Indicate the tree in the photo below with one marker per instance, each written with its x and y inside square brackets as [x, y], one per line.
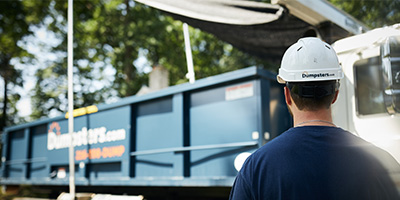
[15, 20]
[114, 34]
[50, 92]
[374, 13]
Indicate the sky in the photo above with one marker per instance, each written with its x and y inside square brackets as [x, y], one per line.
[34, 45]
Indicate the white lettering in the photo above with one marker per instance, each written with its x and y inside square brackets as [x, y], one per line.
[51, 140]
[84, 137]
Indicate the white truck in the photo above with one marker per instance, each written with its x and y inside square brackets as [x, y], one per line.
[369, 99]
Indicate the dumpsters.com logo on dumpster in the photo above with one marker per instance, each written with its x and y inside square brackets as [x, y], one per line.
[56, 140]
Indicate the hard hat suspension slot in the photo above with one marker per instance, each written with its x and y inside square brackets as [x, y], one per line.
[313, 90]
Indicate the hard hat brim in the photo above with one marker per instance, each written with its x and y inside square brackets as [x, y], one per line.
[280, 80]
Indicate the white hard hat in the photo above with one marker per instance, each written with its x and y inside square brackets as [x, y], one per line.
[309, 59]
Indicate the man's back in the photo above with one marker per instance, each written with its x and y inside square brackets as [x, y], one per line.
[316, 162]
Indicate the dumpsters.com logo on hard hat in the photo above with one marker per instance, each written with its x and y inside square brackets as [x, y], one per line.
[315, 75]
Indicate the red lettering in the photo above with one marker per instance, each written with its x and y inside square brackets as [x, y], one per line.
[97, 153]
[81, 155]
[114, 151]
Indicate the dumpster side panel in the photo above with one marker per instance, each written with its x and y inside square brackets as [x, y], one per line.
[159, 126]
[58, 140]
[281, 119]
[217, 117]
[39, 167]
[100, 142]
[17, 152]
[187, 135]
[108, 144]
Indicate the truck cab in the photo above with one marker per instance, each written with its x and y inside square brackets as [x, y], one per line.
[369, 97]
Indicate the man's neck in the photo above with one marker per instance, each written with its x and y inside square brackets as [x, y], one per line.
[313, 118]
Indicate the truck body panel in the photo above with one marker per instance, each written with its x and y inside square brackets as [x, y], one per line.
[361, 104]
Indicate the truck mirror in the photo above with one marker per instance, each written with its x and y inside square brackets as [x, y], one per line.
[390, 55]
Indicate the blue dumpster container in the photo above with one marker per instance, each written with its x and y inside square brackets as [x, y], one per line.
[184, 135]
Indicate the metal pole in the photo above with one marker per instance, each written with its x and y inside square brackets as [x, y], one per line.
[71, 100]
[188, 50]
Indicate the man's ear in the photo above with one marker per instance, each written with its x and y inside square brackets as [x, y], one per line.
[336, 96]
[288, 98]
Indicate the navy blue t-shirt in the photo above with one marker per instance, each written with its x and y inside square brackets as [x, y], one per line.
[316, 162]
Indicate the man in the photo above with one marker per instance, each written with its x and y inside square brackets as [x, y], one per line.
[314, 159]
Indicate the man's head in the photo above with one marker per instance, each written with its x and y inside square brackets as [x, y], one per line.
[311, 71]
[313, 96]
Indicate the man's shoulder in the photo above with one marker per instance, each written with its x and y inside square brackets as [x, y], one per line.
[295, 139]
[279, 145]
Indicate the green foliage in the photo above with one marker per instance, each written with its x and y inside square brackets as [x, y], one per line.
[16, 17]
[374, 13]
[111, 35]
[50, 92]
[115, 34]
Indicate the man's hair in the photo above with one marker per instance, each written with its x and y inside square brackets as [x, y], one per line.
[313, 96]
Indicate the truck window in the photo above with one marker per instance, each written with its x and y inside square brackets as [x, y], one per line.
[368, 87]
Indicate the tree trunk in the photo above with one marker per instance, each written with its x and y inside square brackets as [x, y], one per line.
[4, 118]
[6, 73]
[128, 68]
